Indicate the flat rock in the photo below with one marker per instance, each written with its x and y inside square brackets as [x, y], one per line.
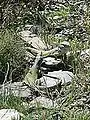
[32, 39]
[17, 89]
[52, 79]
[9, 114]
[64, 76]
[43, 102]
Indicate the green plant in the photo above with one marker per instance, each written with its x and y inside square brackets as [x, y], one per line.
[70, 115]
[11, 50]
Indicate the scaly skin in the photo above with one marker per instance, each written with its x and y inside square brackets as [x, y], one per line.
[32, 74]
[62, 49]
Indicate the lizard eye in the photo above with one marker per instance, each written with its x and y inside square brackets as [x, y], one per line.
[30, 72]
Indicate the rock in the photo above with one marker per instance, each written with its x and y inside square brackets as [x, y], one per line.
[25, 34]
[17, 89]
[50, 61]
[9, 114]
[28, 27]
[50, 64]
[85, 54]
[53, 79]
[56, 17]
[65, 76]
[43, 102]
[32, 39]
[85, 58]
[34, 29]
[37, 43]
[65, 43]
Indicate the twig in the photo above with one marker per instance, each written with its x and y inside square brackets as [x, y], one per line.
[6, 73]
[8, 67]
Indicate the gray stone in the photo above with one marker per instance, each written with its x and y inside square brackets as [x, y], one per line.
[9, 114]
[32, 39]
[85, 58]
[52, 79]
[43, 102]
[51, 61]
[65, 43]
[85, 54]
[17, 89]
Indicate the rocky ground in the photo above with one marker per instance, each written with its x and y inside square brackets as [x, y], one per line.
[56, 85]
